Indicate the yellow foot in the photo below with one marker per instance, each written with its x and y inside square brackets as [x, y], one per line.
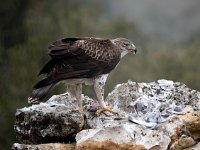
[104, 109]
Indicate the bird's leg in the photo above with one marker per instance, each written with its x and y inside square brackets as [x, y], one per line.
[76, 91]
[99, 89]
[78, 95]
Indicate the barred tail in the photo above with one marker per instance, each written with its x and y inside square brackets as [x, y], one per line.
[39, 93]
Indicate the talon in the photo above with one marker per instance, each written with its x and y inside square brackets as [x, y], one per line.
[104, 109]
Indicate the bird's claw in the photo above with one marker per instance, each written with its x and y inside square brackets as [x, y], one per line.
[104, 109]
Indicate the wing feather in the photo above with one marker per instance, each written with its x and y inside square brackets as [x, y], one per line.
[64, 48]
[79, 58]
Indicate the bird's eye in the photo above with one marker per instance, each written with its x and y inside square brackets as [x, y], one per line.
[125, 44]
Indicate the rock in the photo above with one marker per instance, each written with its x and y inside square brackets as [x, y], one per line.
[195, 147]
[125, 134]
[152, 103]
[192, 123]
[89, 145]
[53, 121]
[182, 143]
[150, 114]
[107, 145]
[49, 146]
[156, 116]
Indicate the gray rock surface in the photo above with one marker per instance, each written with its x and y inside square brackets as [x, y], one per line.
[149, 115]
[54, 121]
[126, 134]
[49, 146]
[157, 115]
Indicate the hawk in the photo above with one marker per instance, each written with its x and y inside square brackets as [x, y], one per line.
[77, 61]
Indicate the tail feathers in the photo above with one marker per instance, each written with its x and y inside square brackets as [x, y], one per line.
[44, 83]
[39, 93]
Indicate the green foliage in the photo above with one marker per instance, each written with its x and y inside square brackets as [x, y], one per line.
[30, 26]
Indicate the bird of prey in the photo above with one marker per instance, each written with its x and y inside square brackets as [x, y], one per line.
[77, 61]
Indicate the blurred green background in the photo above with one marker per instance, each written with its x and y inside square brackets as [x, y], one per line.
[166, 33]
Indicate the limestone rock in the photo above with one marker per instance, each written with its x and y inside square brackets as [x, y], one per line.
[149, 115]
[49, 146]
[153, 103]
[52, 121]
[192, 123]
[195, 147]
[107, 145]
[156, 116]
[89, 145]
[182, 143]
[125, 134]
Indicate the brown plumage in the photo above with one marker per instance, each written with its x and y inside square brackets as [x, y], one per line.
[80, 60]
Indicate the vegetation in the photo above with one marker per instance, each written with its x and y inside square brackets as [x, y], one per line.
[28, 27]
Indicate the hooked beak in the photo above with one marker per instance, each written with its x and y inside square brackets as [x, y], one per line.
[133, 49]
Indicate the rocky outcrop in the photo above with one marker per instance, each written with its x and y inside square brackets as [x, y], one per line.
[49, 146]
[56, 120]
[158, 115]
[107, 145]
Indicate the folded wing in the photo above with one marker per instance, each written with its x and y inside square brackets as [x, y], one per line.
[74, 58]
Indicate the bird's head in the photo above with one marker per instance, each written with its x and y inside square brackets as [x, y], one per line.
[125, 45]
